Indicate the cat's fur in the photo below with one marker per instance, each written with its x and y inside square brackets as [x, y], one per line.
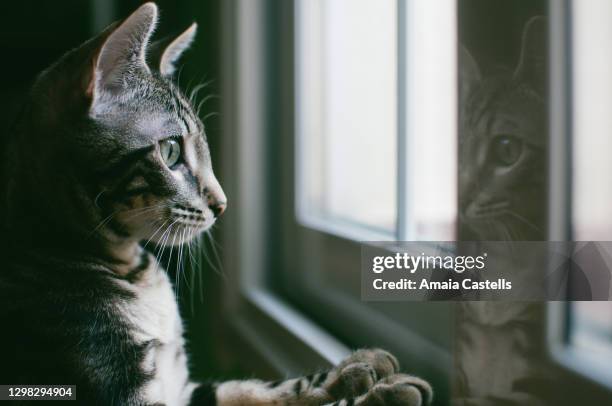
[83, 183]
[504, 199]
[499, 345]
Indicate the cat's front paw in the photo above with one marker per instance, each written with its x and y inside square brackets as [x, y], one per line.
[383, 362]
[398, 390]
[359, 373]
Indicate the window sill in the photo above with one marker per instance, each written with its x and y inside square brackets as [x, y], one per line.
[592, 376]
[292, 344]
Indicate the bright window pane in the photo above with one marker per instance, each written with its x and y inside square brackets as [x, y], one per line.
[591, 322]
[347, 114]
[592, 190]
[592, 328]
[430, 150]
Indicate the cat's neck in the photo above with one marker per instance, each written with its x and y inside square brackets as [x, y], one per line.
[119, 256]
[122, 258]
[67, 238]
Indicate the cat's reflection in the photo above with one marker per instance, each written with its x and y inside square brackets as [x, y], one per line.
[502, 145]
[502, 197]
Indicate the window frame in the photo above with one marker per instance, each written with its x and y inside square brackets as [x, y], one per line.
[298, 343]
[336, 310]
[593, 379]
[415, 107]
[250, 300]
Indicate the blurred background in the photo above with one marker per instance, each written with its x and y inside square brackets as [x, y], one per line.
[335, 122]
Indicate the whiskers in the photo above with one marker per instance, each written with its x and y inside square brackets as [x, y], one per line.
[192, 94]
[509, 226]
[132, 213]
[193, 250]
[176, 240]
[102, 224]
[192, 97]
[523, 220]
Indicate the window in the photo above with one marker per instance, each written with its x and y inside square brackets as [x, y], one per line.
[348, 143]
[587, 326]
[371, 162]
[349, 134]
[360, 175]
[591, 329]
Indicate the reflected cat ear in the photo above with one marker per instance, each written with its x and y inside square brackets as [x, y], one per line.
[533, 63]
[469, 73]
[167, 52]
[123, 51]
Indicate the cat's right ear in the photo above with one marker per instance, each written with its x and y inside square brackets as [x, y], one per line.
[165, 53]
[469, 74]
[533, 63]
[123, 52]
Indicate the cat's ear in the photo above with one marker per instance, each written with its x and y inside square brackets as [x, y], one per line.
[469, 73]
[164, 53]
[124, 50]
[533, 62]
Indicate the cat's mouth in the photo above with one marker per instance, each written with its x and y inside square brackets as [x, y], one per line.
[188, 222]
[188, 216]
[179, 225]
[487, 210]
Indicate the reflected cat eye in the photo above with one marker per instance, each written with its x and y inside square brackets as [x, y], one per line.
[170, 150]
[506, 149]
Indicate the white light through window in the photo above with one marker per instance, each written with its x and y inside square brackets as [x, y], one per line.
[347, 113]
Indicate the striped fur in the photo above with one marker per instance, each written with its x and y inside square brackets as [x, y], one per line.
[367, 377]
[504, 197]
[119, 339]
[85, 189]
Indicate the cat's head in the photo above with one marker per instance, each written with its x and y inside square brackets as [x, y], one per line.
[503, 138]
[108, 146]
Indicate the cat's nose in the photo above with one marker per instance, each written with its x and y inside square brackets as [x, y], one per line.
[218, 208]
[215, 198]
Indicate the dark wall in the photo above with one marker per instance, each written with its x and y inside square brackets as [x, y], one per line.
[32, 35]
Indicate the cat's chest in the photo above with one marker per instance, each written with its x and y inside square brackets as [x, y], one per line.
[152, 313]
[154, 322]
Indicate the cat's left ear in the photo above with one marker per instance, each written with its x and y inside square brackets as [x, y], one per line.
[123, 52]
[533, 62]
[166, 53]
[469, 74]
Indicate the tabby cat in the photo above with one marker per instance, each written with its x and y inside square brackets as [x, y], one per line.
[108, 153]
[502, 192]
[503, 144]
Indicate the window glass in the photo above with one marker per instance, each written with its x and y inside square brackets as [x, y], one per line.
[347, 131]
[590, 326]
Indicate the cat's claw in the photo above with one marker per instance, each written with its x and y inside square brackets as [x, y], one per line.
[382, 361]
[371, 378]
[398, 390]
[353, 380]
[360, 371]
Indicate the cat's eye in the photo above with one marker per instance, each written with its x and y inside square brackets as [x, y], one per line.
[170, 150]
[507, 149]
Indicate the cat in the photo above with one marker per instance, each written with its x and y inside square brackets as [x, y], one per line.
[500, 348]
[503, 145]
[108, 153]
